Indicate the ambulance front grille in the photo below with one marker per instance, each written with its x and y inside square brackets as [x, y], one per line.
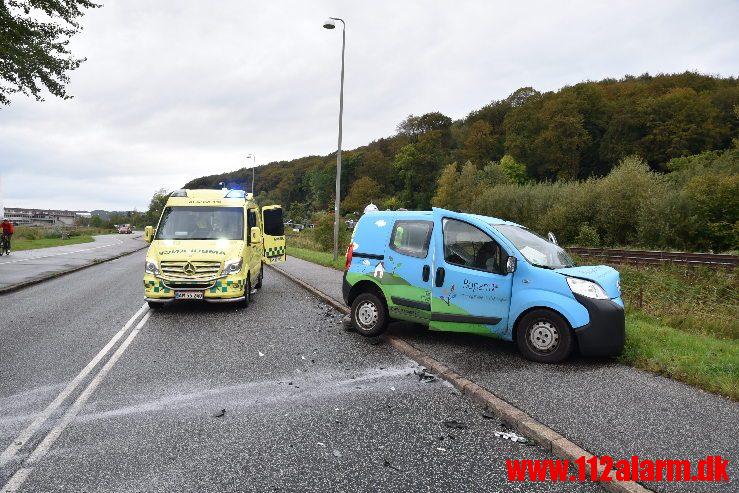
[190, 270]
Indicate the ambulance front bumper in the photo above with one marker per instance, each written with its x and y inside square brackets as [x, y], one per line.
[165, 301]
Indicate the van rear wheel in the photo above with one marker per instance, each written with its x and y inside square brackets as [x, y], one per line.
[544, 336]
[369, 315]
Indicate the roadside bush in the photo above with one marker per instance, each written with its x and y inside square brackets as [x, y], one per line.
[323, 234]
[587, 236]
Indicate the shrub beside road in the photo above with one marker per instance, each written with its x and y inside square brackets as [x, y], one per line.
[681, 322]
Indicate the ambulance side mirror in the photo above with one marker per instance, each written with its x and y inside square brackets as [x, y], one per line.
[148, 234]
[255, 234]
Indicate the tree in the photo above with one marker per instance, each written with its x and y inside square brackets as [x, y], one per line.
[34, 46]
[413, 126]
[480, 145]
[156, 206]
[515, 171]
[446, 188]
[468, 186]
[361, 193]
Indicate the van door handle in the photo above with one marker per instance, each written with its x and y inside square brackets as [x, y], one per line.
[439, 281]
[426, 273]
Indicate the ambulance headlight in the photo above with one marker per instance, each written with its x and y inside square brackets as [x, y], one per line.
[150, 267]
[232, 266]
[585, 288]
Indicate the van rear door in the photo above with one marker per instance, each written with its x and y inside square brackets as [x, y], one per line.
[274, 234]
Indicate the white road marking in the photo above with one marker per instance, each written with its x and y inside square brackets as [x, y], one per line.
[17, 480]
[26, 434]
[118, 242]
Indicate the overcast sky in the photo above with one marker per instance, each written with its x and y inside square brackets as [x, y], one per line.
[176, 89]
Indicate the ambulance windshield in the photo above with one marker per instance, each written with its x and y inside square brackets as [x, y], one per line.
[201, 223]
[537, 250]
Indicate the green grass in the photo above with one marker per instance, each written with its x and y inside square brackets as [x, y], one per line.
[320, 258]
[700, 360]
[25, 244]
[687, 327]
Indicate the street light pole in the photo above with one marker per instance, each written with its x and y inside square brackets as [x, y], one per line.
[254, 158]
[330, 24]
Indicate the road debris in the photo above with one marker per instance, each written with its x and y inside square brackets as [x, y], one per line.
[424, 376]
[454, 424]
[220, 414]
[509, 435]
[488, 415]
[387, 463]
[441, 449]
[337, 453]
[321, 444]
[260, 354]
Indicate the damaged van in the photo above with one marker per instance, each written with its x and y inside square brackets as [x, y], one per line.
[468, 273]
[210, 245]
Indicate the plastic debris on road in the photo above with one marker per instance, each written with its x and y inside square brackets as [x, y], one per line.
[220, 414]
[509, 435]
[337, 453]
[388, 464]
[454, 424]
[424, 375]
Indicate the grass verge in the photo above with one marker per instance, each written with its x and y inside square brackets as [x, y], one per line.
[26, 244]
[320, 258]
[697, 359]
[686, 329]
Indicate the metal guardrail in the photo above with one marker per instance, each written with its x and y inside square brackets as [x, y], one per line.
[647, 257]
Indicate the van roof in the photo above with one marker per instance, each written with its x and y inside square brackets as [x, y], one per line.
[208, 197]
[427, 214]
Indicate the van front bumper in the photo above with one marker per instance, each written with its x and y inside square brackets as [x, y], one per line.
[605, 334]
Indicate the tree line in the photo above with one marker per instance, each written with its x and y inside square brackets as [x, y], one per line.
[531, 146]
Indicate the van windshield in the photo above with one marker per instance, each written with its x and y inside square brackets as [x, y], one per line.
[201, 223]
[537, 250]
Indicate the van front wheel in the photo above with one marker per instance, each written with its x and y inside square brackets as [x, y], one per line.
[544, 336]
[368, 315]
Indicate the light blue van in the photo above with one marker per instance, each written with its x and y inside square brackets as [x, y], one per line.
[469, 273]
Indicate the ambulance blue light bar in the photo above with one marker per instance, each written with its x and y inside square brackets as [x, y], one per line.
[179, 193]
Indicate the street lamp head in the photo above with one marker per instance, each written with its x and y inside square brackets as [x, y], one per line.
[329, 24]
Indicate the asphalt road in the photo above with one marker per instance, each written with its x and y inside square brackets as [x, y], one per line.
[33, 265]
[276, 397]
[603, 406]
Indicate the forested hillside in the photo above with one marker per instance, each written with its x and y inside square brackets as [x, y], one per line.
[545, 149]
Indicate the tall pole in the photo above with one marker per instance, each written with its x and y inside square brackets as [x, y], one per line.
[254, 158]
[338, 153]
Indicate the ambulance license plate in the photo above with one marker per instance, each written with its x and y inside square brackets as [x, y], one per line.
[188, 295]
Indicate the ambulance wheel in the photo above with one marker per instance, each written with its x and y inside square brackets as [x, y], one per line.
[258, 285]
[247, 294]
[369, 315]
[544, 336]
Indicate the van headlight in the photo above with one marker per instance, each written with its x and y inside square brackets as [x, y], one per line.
[585, 288]
[150, 267]
[232, 266]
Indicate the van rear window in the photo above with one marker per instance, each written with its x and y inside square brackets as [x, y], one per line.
[412, 238]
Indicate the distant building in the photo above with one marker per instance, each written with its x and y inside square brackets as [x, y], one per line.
[40, 217]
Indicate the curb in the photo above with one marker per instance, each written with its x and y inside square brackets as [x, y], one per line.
[547, 438]
[32, 282]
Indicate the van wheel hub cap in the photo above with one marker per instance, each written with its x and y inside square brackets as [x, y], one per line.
[543, 336]
[367, 314]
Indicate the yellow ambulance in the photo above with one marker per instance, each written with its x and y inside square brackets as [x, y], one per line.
[210, 245]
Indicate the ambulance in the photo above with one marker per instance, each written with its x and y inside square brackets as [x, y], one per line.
[211, 245]
[460, 272]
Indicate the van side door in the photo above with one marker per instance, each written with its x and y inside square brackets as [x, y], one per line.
[471, 291]
[274, 234]
[407, 270]
[253, 245]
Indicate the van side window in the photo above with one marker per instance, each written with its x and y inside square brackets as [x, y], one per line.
[467, 246]
[412, 238]
[251, 221]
